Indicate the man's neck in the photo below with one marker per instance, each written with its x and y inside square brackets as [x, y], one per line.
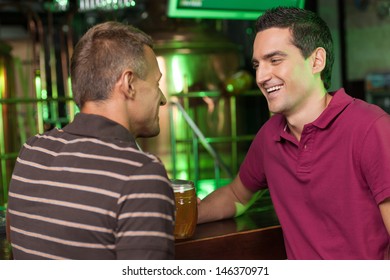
[296, 122]
[109, 109]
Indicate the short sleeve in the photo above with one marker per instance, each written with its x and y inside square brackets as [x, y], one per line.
[145, 220]
[252, 169]
[375, 159]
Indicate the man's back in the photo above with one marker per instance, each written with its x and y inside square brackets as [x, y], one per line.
[87, 192]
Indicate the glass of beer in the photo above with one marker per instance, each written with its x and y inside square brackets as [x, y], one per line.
[186, 208]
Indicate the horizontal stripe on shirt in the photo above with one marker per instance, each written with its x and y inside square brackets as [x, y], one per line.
[96, 141]
[67, 186]
[63, 241]
[65, 204]
[83, 155]
[145, 233]
[37, 253]
[93, 171]
[61, 222]
[145, 214]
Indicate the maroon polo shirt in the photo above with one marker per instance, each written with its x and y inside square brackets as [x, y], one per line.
[326, 188]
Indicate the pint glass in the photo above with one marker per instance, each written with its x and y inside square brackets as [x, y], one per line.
[186, 208]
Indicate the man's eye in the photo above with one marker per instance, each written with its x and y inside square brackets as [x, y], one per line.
[255, 65]
[275, 60]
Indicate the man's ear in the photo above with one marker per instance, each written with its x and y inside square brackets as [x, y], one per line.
[127, 85]
[318, 60]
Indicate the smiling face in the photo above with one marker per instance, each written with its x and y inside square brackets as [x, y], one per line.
[283, 75]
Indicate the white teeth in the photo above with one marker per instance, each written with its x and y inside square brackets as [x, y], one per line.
[271, 89]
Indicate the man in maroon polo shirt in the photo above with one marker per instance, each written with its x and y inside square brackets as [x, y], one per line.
[324, 156]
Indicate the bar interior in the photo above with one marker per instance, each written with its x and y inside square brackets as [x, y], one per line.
[214, 107]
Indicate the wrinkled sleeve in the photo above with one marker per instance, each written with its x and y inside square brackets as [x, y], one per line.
[252, 168]
[375, 160]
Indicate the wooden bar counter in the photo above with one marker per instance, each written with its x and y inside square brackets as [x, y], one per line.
[254, 235]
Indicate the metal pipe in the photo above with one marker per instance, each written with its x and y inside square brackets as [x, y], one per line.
[53, 72]
[203, 139]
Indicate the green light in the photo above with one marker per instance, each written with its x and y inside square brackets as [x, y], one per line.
[179, 79]
[230, 88]
[226, 9]
[2, 82]
[70, 87]
[86, 5]
[45, 109]
[41, 94]
[57, 5]
[182, 175]
[205, 187]
[44, 94]
[62, 2]
[38, 92]
[38, 84]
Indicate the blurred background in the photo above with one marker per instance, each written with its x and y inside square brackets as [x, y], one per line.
[204, 50]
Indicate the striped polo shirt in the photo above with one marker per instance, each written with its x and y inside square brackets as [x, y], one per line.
[87, 192]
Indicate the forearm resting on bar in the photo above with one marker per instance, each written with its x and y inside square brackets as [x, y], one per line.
[226, 202]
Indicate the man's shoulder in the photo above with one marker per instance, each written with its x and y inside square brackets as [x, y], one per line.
[364, 112]
[369, 108]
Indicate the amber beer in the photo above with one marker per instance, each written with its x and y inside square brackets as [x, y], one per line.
[186, 208]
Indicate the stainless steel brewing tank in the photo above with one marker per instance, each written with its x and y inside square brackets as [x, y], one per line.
[192, 61]
[195, 60]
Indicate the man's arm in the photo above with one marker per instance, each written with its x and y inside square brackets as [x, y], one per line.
[385, 211]
[225, 202]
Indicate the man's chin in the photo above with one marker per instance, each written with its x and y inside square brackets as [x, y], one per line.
[149, 134]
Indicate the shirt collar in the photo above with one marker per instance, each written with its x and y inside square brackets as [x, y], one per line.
[338, 103]
[96, 126]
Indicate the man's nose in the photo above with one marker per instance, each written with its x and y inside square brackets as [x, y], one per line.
[163, 100]
[263, 74]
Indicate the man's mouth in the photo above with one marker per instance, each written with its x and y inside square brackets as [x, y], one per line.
[273, 89]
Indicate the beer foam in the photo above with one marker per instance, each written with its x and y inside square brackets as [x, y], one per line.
[181, 189]
[182, 185]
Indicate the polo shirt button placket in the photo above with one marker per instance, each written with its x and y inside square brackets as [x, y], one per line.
[305, 157]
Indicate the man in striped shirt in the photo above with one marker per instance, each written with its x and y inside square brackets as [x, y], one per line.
[86, 191]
